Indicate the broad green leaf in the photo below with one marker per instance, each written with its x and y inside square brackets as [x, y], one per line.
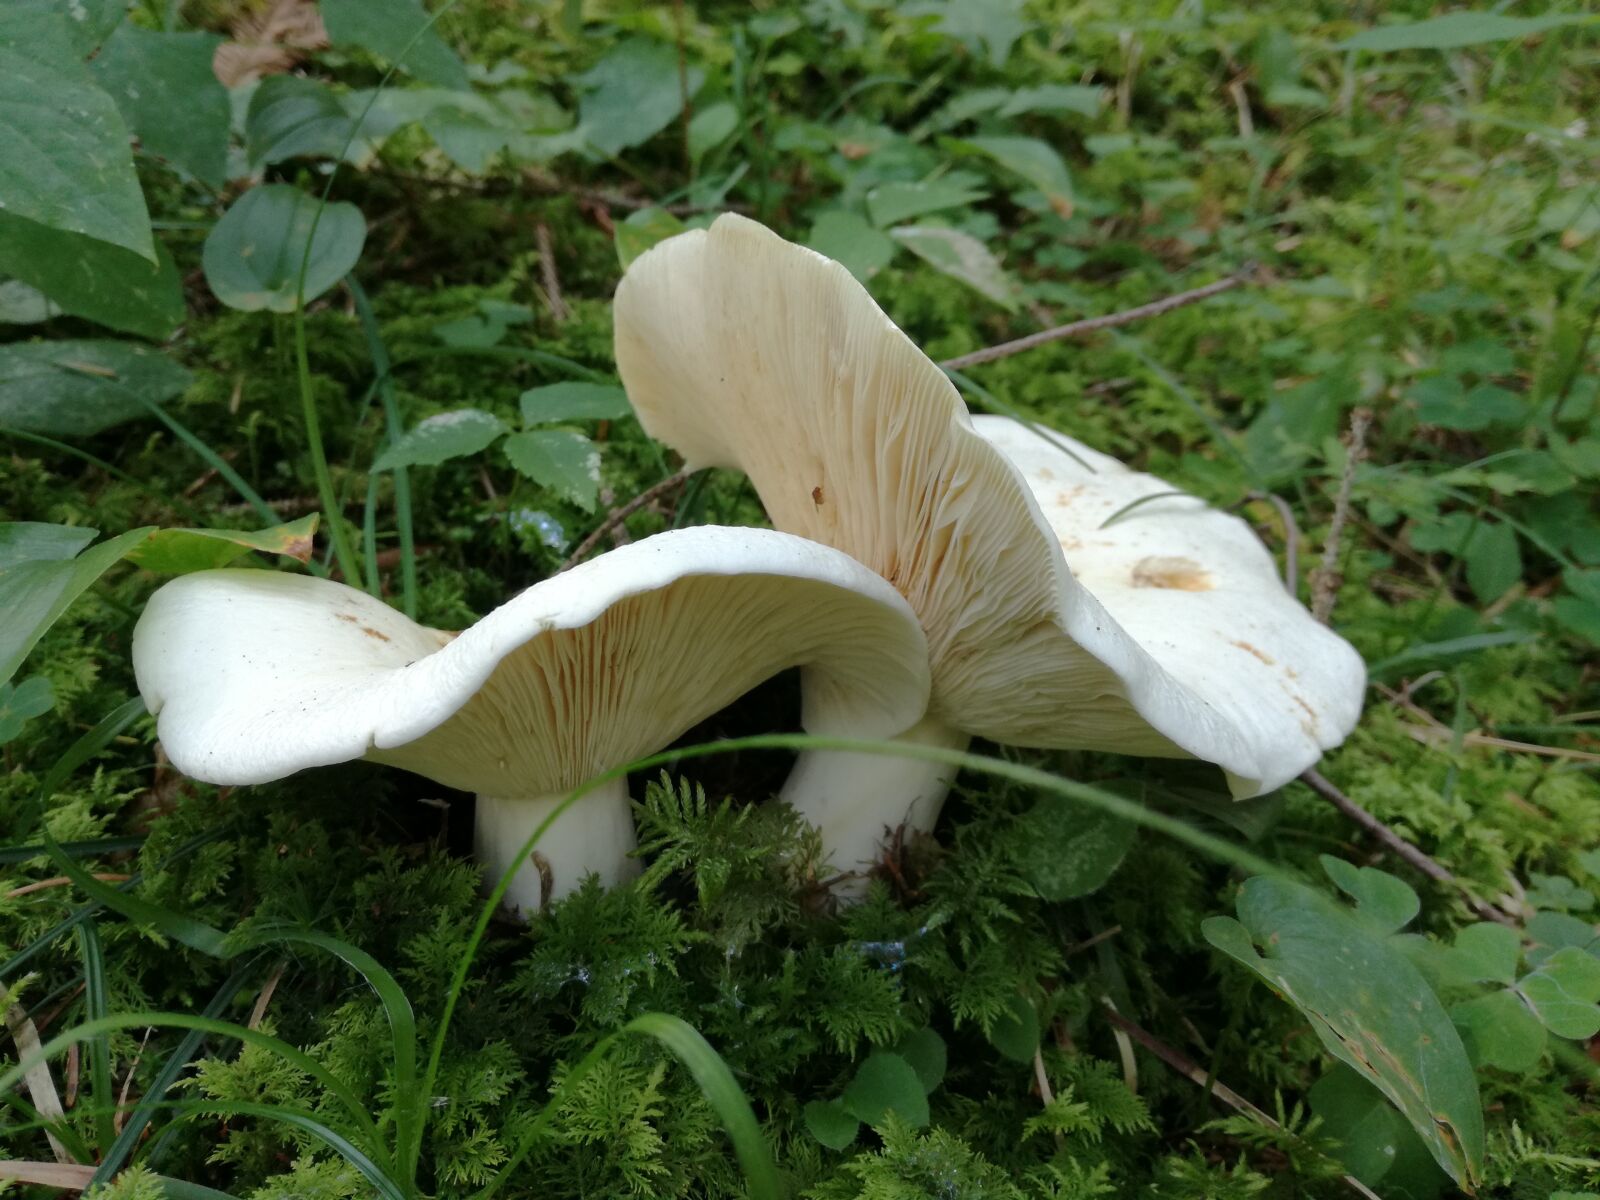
[1387, 904]
[35, 541]
[34, 594]
[65, 159]
[993, 24]
[1293, 425]
[632, 94]
[1016, 1035]
[441, 437]
[1064, 850]
[472, 332]
[1055, 98]
[886, 1083]
[1369, 1006]
[710, 127]
[180, 551]
[93, 279]
[1443, 400]
[23, 304]
[850, 239]
[170, 97]
[565, 462]
[31, 698]
[926, 1052]
[291, 116]
[1563, 992]
[574, 401]
[252, 257]
[891, 203]
[1375, 1143]
[1486, 953]
[387, 28]
[469, 139]
[1456, 29]
[1557, 891]
[89, 23]
[830, 1124]
[1032, 160]
[1494, 560]
[76, 388]
[961, 256]
[643, 229]
[1500, 1030]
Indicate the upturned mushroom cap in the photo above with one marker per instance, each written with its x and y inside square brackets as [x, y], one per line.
[742, 350]
[254, 675]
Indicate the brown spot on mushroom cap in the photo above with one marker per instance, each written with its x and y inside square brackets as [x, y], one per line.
[1262, 655]
[1174, 572]
[350, 617]
[1067, 495]
[373, 633]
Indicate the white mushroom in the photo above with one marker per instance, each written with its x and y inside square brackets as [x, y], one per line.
[255, 675]
[742, 350]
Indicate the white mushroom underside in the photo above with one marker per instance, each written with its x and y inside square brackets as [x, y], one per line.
[742, 350]
[255, 674]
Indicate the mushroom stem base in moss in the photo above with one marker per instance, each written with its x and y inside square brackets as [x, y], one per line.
[594, 836]
[857, 801]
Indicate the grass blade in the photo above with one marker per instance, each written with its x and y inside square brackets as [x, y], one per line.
[394, 427]
[97, 1007]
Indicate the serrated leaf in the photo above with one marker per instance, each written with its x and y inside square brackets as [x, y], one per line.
[20, 704]
[850, 240]
[1065, 851]
[886, 1083]
[565, 462]
[291, 116]
[574, 401]
[1500, 1030]
[830, 1124]
[440, 438]
[643, 229]
[167, 92]
[74, 388]
[181, 551]
[961, 256]
[1034, 161]
[1384, 902]
[1486, 953]
[1369, 1006]
[632, 94]
[65, 158]
[1563, 992]
[1016, 1034]
[252, 257]
[36, 541]
[390, 28]
[926, 1052]
[93, 279]
[891, 203]
[1454, 30]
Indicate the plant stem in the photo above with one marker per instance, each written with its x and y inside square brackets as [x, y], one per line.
[394, 428]
[343, 552]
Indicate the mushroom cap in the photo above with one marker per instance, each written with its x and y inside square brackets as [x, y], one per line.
[254, 675]
[742, 350]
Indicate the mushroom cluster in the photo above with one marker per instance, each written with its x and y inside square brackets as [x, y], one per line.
[937, 577]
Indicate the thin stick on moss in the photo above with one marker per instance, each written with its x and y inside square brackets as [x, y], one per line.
[1325, 579]
[1155, 308]
[622, 512]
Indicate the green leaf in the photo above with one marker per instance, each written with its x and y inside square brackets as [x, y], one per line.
[469, 139]
[1055, 98]
[574, 402]
[961, 256]
[1551, 932]
[643, 229]
[91, 21]
[632, 94]
[565, 462]
[387, 28]
[180, 551]
[33, 595]
[441, 437]
[21, 304]
[473, 332]
[1500, 1031]
[65, 160]
[1557, 891]
[1494, 560]
[32, 541]
[925, 1051]
[1016, 1035]
[76, 388]
[1369, 1006]
[849, 239]
[1454, 30]
[891, 203]
[1032, 160]
[33, 697]
[1443, 400]
[170, 97]
[291, 116]
[252, 257]
[1065, 851]
[886, 1083]
[1385, 903]
[94, 279]
[1486, 953]
[1563, 992]
[830, 1124]
[710, 127]
[1375, 1143]
[1293, 425]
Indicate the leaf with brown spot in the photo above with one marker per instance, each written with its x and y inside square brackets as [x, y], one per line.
[180, 551]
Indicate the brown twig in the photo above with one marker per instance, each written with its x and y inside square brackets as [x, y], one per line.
[1430, 867]
[40, 1083]
[54, 881]
[547, 271]
[1325, 579]
[1191, 1070]
[620, 514]
[259, 1011]
[1110, 321]
[120, 1117]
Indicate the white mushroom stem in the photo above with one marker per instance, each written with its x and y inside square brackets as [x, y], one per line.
[590, 838]
[857, 801]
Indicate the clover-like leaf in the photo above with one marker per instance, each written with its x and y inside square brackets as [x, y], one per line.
[1563, 992]
[886, 1083]
[1500, 1029]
